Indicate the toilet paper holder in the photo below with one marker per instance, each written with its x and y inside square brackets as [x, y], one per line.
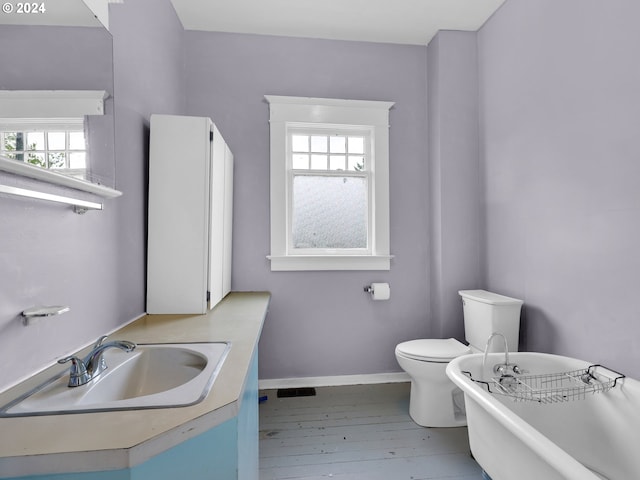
[383, 292]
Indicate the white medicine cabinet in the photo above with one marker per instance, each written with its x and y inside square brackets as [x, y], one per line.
[190, 215]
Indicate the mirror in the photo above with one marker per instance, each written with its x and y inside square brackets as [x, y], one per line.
[57, 46]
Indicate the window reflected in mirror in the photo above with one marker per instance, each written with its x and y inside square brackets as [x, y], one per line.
[65, 49]
[55, 146]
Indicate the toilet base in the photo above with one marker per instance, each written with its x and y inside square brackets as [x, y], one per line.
[437, 407]
[435, 400]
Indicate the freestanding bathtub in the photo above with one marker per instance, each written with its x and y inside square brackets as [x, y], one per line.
[576, 435]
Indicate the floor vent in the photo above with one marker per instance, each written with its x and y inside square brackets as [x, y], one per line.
[296, 392]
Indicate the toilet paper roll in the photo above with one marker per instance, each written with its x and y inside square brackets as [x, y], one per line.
[380, 291]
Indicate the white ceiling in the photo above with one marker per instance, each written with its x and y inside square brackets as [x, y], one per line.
[57, 12]
[412, 22]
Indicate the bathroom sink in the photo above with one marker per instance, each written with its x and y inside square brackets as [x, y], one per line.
[151, 376]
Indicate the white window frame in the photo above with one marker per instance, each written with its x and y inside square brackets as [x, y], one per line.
[293, 112]
[52, 104]
[44, 125]
[327, 130]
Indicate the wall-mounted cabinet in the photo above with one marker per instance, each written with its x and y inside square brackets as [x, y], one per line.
[190, 215]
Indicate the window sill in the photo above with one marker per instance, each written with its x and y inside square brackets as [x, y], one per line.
[329, 262]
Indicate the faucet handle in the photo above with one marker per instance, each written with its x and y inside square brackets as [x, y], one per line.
[75, 361]
[78, 372]
[100, 340]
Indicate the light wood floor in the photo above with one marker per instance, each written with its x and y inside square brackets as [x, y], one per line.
[359, 432]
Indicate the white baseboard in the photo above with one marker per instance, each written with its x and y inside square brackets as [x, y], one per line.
[334, 381]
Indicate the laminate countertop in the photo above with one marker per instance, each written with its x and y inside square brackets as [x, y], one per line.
[122, 439]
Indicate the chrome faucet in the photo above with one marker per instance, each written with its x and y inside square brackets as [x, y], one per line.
[83, 371]
[500, 368]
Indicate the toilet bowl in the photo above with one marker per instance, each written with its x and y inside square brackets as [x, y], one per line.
[435, 401]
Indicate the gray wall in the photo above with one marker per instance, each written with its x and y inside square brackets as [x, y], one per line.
[454, 176]
[560, 96]
[149, 78]
[55, 58]
[320, 323]
[94, 262]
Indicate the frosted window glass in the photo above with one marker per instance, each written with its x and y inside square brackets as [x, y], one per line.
[329, 212]
[300, 143]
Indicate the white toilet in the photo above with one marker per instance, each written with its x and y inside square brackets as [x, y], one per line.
[435, 401]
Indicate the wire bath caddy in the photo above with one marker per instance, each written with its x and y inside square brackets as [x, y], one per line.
[553, 387]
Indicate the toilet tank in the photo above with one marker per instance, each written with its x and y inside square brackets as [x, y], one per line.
[486, 313]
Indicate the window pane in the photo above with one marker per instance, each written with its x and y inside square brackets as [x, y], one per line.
[356, 145]
[78, 160]
[9, 141]
[56, 140]
[337, 162]
[319, 144]
[338, 144]
[36, 158]
[329, 212]
[318, 162]
[356, 163]
[56, 160]
[300, 143]
[300, 161]
[35, 141]
[76, 141]
[44, 148]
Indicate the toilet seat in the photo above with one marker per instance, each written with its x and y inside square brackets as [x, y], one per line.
[432, 349]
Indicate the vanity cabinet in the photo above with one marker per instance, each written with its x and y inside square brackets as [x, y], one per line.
[190, 215]
[226, 452]
[215, 439]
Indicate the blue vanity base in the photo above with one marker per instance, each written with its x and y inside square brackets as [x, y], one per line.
[226, 452]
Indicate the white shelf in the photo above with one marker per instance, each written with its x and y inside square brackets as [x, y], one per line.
[49, 176]
[51, 103]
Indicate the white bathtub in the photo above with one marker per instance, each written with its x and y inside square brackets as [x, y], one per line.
[594, 438]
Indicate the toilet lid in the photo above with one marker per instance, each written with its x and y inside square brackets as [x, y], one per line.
[433, 349]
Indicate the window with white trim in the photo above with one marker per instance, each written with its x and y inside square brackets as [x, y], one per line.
[47, 143]
[48, 129]
[329, 184]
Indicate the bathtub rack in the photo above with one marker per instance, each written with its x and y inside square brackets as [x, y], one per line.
[553, 387]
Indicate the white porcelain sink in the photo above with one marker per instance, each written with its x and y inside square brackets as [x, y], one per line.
[151, 376]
